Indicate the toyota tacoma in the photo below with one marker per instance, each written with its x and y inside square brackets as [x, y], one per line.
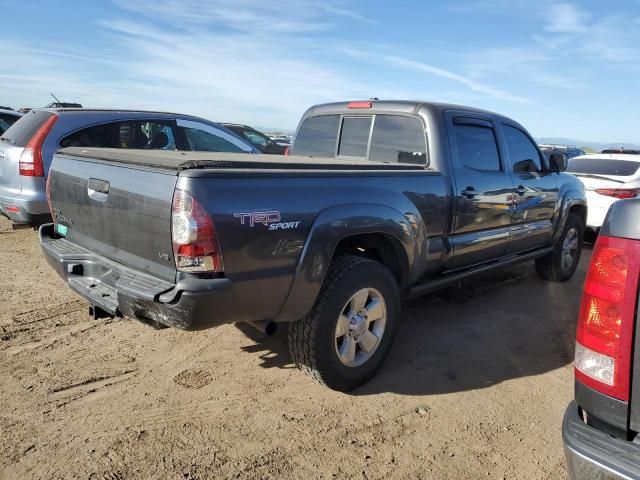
[381, 200]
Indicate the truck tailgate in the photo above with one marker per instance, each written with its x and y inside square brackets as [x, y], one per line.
[119, 211]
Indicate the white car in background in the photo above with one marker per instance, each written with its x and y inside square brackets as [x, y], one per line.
[607, 179]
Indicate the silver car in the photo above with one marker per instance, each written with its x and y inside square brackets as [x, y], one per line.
[27, 148]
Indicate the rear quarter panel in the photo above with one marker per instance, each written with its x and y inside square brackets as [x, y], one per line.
[265, 264]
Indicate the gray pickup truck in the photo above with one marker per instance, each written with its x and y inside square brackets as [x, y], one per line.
[381, 200]
[601, 426]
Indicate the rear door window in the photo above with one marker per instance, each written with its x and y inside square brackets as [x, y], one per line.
[317, 136]
[103, 135]
[21, 132]
[207, 138]
[477, 147]
[354, 139]
[603, 166]
[398, 139]
[146, 134]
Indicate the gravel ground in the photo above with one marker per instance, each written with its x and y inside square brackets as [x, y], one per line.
[475, 387]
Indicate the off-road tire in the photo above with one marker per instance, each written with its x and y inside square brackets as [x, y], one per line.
[312, 338]
[550, 266]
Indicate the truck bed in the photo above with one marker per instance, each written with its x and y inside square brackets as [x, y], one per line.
[178, 161]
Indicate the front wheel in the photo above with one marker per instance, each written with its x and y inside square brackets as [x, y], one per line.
[561, 263]
[345, 338]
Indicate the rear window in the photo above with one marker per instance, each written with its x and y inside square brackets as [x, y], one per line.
[393, 139]
[21, 132]
[355, 136]
[603, 166]
[317, 136]
[398, 139]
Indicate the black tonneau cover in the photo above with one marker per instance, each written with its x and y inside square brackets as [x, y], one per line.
[172, 160]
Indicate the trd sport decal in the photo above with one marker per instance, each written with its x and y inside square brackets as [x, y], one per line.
[270, 219]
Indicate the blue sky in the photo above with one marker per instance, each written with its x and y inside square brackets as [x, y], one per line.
[569, 69]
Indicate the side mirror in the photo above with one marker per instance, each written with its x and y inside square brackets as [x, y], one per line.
[525, 166]
[558, 162]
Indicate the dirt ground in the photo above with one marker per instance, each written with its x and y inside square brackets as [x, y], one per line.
[475, 387]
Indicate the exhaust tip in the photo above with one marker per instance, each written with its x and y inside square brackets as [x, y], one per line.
[268, 327]
[271, 328]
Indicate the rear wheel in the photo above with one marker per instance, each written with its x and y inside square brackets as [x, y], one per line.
[345, 338]
[561, 263]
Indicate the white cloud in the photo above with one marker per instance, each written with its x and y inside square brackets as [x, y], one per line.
[343, 12]
[226, 60]
[567, 18]
[466, 81]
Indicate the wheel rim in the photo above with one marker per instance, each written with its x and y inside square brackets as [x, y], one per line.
[569, 248]
[360, 327]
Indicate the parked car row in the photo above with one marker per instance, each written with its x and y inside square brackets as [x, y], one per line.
[27, 148]
[569, 150]
[378, 201]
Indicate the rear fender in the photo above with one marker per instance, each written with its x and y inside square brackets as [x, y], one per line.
[329, 228]
[569, 200]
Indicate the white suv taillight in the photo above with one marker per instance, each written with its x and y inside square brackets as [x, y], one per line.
[195, 246]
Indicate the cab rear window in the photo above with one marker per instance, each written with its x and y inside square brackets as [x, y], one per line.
[21, 132]
[318, 136]
[378, 138]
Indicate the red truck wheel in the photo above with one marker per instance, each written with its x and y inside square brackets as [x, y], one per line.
[343, 341]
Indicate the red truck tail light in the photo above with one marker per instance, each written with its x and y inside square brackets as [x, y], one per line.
[605, 325]
[30, 163]
[195, 245]
[619, 192]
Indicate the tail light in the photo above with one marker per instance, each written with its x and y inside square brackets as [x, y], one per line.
[30, 163]
[286, 151]
[195, 245]
[619, 192]
[607, 314]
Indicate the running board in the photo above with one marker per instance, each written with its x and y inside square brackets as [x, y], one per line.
[432, 285]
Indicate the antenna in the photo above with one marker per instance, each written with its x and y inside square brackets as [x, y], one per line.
[55, 98]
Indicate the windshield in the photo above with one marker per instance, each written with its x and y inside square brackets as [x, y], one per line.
[604, 166]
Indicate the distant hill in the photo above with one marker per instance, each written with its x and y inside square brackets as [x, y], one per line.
[595, 146]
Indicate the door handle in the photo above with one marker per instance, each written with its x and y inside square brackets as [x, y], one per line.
[98, 189]
[521, 190]
[469, 193]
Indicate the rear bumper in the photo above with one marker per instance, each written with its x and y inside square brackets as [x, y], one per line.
[594, 455]
[191, 304]
[24, 207]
